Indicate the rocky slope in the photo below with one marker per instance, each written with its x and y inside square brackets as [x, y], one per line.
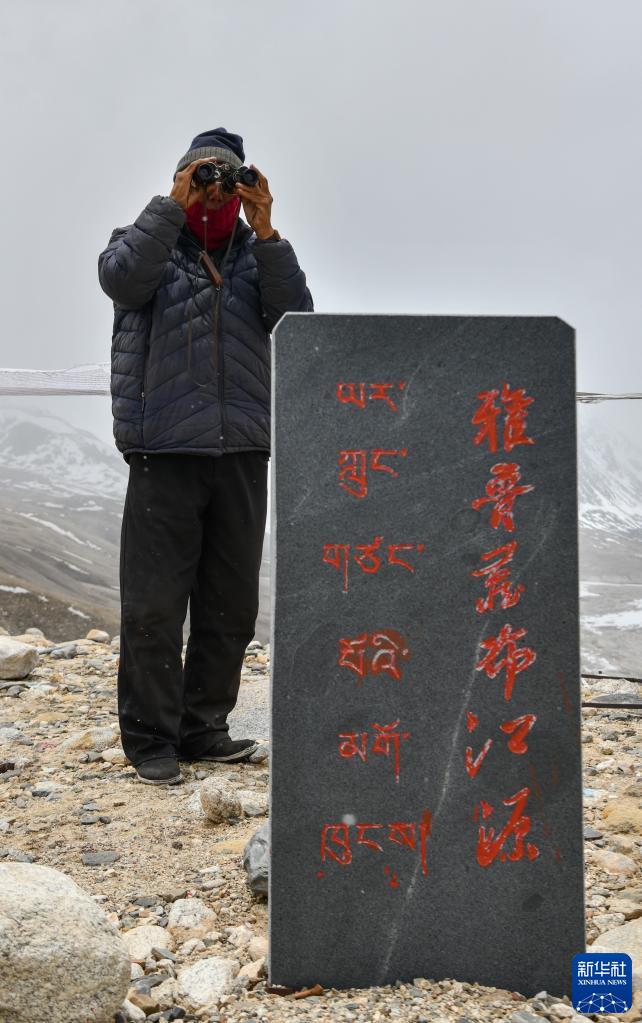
[152, 858]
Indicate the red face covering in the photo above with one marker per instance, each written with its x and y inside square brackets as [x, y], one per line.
[219, 222]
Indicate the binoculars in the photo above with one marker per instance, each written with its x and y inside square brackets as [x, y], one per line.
[211, 173]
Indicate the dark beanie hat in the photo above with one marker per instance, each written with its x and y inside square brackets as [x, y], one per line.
[217, 143]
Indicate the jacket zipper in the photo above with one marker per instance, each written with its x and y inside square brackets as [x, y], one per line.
[218, 344]
[142, 393]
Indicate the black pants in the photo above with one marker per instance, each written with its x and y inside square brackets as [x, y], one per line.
[192, 529]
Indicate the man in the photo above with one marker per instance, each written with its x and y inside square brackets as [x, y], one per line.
[196, 292]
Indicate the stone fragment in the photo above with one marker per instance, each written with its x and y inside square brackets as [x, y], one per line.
[132, 1012]
[141, 940]
[258, 947]
[614, 863]
[627, 938]
[201, 985]
[62, 961]
[17, 659]
[256, 859]
[253, 971]
[190, 918]
[148, 1003]
[99, 859]
[98, 738]
[624, 815]
[590, 834]
[219, 802]
[239, 936]
[253, 802]
[97, 636]
[629, 908]
[114, 755]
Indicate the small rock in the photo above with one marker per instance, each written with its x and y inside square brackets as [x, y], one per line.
[148, 1003]
[239, 936]
[132, 1012]
[627, 938]
[97, 739]
[97, 636]
[114, 755]
[253, 971]
[192, 945]
[590, 834]
[258, 947]
[624, 815]
[64, 651]
[629, 908]
[140, 941]
[190, 918]
[99, 859]
[614, 863]
[17, 660]
[202, 984]
[259, 756]
[219, 802]
[524, 1017]
[256, 859]
[253, 803]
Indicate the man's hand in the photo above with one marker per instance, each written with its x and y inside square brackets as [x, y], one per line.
[257, 205]
[185, 191]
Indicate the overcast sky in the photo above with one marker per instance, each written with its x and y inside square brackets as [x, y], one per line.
[426, 156]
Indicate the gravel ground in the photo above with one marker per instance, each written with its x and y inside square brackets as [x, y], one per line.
[66, 794]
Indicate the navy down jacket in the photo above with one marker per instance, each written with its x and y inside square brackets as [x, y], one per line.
[190, 363]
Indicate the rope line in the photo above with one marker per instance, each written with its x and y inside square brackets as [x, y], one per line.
[94, 378]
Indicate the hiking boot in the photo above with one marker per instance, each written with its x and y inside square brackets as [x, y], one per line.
[226, 750]
[162, 771]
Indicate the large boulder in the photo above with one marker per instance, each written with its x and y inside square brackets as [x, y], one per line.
[17, 659]
[62, 960]
[256, 860]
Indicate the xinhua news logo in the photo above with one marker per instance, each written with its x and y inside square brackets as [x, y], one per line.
[602, 982]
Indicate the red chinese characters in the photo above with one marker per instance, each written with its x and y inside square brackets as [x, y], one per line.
[387, 740]
[502, 653]
[369, 557]
[358, 394]
[501, 492]
[497, 579]
[518, 730]
[515, 410]
[374, 653]
[490, 845]
[353, 468]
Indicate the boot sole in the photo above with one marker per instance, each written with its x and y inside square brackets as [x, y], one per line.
[161, 781]
[241, 755]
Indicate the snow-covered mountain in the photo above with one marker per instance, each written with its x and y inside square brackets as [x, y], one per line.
[62, 491]
[610, 492]
[36, 446]
[610, 483]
